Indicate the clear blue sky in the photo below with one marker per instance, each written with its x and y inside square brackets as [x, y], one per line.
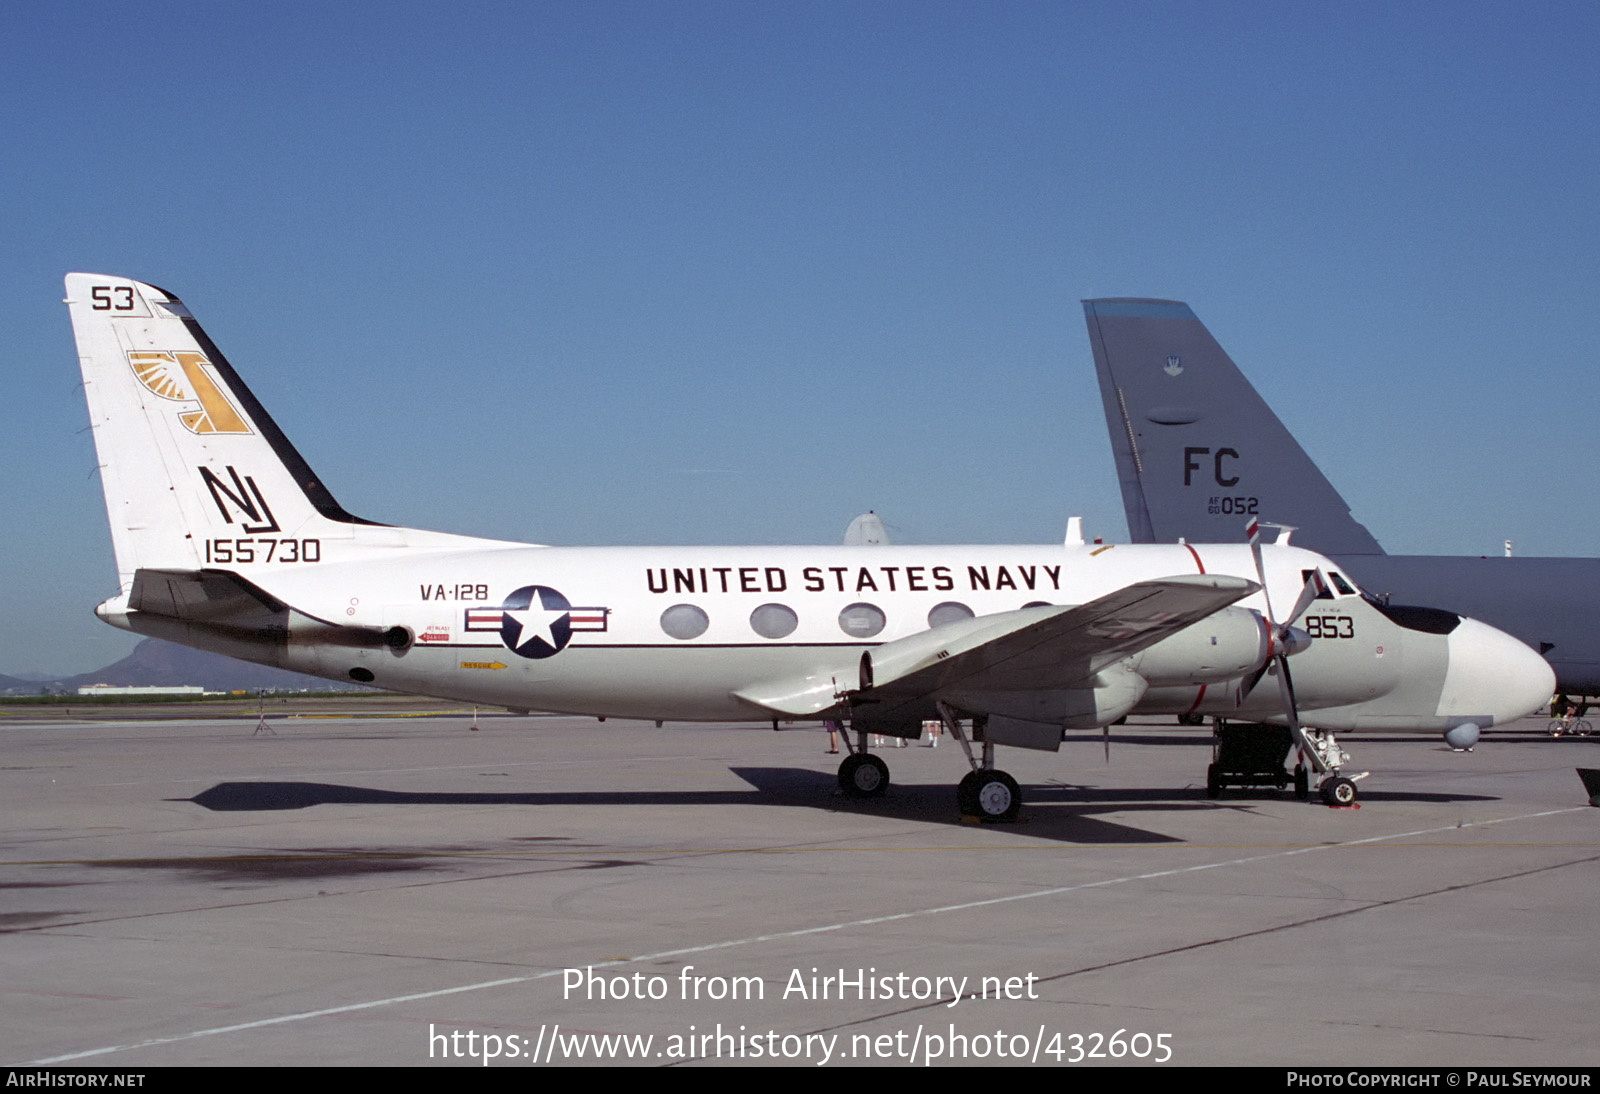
[736, 272]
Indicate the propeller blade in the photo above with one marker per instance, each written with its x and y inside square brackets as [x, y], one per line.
[1286, 689]
[1250, 685]
[1314, 588]
[1253, 530]
[1280, 635]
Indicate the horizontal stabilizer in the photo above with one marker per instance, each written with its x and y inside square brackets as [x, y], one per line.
[223, 603]
[202, 596]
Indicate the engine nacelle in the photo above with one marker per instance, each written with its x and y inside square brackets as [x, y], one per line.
[1225, 645]
[1110, 695]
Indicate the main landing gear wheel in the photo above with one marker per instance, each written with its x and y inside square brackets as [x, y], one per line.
[1339, 791]
[1213, 782]
[989, 795]
[1302, 782]
[863, 775]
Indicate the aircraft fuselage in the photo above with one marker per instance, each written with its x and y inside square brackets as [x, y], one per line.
[690, 633]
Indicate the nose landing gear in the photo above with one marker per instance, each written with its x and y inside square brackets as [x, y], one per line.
[1253, 754]
[1321, 748]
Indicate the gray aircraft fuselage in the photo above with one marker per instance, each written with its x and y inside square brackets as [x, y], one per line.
[1549, 603]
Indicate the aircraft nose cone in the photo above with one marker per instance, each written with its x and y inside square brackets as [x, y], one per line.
[1491, 677]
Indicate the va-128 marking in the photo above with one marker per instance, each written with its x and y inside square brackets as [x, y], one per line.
[1004, 645]
[453, 592]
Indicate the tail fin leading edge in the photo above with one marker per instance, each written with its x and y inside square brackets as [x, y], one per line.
[1198, 451]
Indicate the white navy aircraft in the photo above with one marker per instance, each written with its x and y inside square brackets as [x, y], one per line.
[226, 540]
[1197, 450]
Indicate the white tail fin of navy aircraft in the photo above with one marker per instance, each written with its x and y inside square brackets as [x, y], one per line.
[1197, 450]
[225, 540]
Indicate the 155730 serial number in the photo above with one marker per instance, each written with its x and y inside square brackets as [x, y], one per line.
[241, 551]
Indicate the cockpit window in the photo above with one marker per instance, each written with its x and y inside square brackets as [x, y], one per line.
[1340, 583]
[1323, 592]
[1412, 618]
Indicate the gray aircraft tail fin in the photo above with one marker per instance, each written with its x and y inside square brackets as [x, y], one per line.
[867, 530]
[1198, 451]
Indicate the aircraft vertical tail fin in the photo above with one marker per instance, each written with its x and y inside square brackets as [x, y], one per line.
[867, 530]
[188, 458]
[1197, 449]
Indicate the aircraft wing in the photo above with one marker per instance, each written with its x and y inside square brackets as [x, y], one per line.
[1031, 649]
[1065, 648]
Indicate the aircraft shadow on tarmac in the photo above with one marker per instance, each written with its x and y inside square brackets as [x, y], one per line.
[1061, 812]
[769, 786]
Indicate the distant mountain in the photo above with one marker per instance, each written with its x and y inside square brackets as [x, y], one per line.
[155, 662]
